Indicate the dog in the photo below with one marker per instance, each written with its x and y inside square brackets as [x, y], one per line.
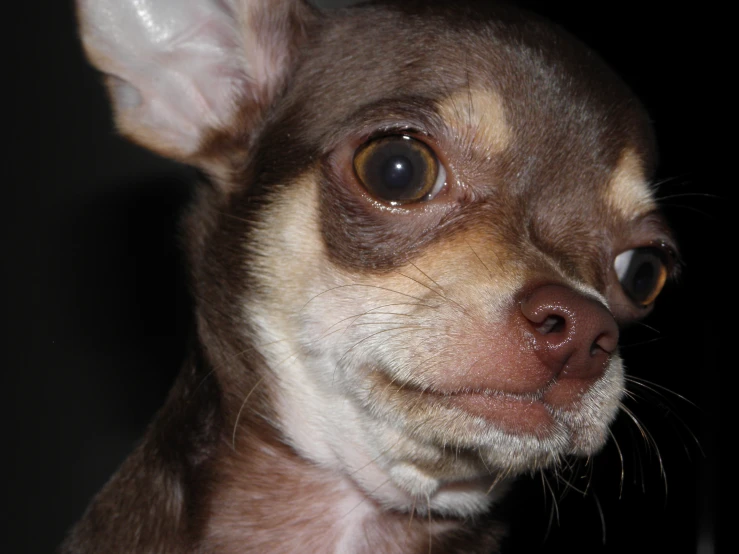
[420, 227]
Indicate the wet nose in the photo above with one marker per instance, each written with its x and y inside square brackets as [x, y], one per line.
[573, 335]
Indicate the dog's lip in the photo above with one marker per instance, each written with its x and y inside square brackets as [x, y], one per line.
[526, 414]
[514, 413]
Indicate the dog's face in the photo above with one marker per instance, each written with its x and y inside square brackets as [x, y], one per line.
[426, 221]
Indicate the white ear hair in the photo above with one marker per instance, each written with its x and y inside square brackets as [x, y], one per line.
[179, 68]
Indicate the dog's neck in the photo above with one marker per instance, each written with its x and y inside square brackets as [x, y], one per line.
[256, 483]
[264, 485]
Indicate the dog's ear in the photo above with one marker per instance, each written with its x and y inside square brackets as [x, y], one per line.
[177, 69]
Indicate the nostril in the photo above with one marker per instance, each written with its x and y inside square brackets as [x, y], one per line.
[573, 335]
[606, 341]
[551, 325]
[595, 348]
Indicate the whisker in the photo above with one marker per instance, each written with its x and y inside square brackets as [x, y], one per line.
[659, 392]
[638, 463]
[399, 324]
[351, 348]
[647, 326]
[499, 478]
[621, 457]
[371, 335]
[442, 296]
[490, 273]
[656, 388]
[369, 312]
[378, 287]
[648, 439]
[441, 289]
[689, 208]
[568, 484]
[554, 510]
[710, 196]
[484, 463]
[424, 285]
[673, 181]
[590, 464]
[602, 517]
[366, 498]
[238, 415]
[427, 368]
[373, 460]
[233, 357]
[641, 343]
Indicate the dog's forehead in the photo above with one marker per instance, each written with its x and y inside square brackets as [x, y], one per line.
[517, 83]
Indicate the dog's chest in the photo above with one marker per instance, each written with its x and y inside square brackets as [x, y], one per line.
[316, 510]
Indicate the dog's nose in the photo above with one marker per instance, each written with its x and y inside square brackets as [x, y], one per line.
[573, 335]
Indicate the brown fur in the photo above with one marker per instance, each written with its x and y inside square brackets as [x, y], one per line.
[214, 472]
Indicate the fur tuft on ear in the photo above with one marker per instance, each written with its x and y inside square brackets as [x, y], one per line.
[179, 68]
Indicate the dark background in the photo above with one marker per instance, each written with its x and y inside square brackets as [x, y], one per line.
[96, 311]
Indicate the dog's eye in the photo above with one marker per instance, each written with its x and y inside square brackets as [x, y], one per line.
[399, 169]
[642, 273]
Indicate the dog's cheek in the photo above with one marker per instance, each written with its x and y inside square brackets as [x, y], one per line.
[305, 304]
[289, 256]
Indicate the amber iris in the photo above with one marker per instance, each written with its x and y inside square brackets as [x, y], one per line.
[397, 169]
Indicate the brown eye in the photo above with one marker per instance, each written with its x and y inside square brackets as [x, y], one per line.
[399, 169]
[642, 273]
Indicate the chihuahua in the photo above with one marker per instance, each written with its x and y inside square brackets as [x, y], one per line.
[420, 227]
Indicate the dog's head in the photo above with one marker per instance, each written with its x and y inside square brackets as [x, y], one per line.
[426, 220]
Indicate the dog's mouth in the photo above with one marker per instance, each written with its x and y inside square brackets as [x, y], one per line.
[562, 417]
[513, 413]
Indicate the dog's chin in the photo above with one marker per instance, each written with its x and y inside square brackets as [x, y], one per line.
[469, 434]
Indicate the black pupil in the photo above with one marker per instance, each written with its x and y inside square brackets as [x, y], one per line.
[397, 172]
[397, 169]
[644, 279]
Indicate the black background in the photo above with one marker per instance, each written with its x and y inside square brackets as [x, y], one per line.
[96, 311]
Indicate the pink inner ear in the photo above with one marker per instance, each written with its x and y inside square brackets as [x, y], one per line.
[125, 96]
[179, 67]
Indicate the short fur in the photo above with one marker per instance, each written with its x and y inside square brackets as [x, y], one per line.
[318, 408]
